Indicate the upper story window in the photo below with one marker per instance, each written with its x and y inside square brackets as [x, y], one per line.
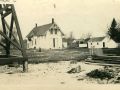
[97, 43]
[55, 31]
[29, 39]
[35, 42]
[51, 31]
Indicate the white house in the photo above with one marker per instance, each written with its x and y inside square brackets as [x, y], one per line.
[102, 42]
[48, 36]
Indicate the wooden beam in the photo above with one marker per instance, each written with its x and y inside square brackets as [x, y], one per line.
[18, 31]
[16, 40]
[5, 11]
[4, 8]
[12, 42]
[25, 63]
[1, 44]
[4, 29]
[9, 60]
[12, 32]
[6, 14]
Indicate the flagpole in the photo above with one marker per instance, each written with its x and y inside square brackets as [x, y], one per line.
[54, 10]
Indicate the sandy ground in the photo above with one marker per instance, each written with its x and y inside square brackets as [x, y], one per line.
[52, 76]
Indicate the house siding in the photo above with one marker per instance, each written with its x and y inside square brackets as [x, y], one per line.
[46, 41]
[108, 44]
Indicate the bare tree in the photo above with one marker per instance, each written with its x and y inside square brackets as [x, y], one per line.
[70, 40]
[86, 36]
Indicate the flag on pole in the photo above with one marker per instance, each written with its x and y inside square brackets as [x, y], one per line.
[54, 5]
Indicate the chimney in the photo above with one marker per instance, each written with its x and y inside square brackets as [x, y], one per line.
[36, 25]
[52, 20]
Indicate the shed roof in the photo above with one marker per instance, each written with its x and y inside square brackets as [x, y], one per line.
[96, 39]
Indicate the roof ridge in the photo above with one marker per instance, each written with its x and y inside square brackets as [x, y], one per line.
[97, 38]
[43, 25]
[39, 30]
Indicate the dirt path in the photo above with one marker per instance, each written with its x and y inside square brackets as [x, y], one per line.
[50, 76]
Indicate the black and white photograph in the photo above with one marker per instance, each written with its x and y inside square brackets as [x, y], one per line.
[59, 44]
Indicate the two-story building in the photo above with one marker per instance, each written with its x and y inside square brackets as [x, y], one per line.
[48, 36]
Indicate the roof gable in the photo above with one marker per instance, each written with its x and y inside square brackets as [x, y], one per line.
[40, 30]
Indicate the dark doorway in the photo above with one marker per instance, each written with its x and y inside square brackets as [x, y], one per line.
[53, 42]
[103, 44]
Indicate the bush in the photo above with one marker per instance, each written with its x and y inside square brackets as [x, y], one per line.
[101, 74]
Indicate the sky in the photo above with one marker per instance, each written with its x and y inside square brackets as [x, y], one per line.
[77, 16]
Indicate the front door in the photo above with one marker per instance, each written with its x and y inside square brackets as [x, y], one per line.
[54, 42]
[103, 44]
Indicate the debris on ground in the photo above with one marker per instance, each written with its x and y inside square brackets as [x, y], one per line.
[10, 72]
[108, 73]
[80, 78]
[10, 69]
[75, 70]
[62, 82]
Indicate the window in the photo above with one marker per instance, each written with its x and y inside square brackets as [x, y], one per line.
[54, 42]
[29, 39]
[32, 42]
[51, 31]
[91, 43]
[97, 43]
[35, 42]
[55, 31]
[103, 44]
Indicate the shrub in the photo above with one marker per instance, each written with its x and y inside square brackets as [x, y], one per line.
[101, 74]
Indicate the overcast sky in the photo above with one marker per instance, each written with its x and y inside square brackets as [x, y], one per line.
[78, 16]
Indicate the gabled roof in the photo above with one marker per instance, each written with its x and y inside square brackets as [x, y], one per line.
[86, 40]
[96, 39]
[39, 30]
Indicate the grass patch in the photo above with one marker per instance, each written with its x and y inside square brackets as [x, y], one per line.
[57, 55]
[36, 57]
